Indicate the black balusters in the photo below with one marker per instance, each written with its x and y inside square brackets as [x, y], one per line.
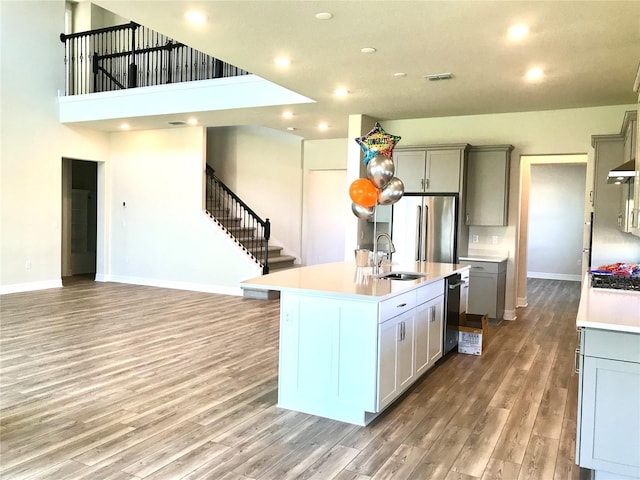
[129, 56]
[242, 223]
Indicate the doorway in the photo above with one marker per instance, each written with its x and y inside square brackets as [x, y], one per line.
[79, 218]
[552, 200]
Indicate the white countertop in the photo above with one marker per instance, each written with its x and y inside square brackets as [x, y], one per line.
[608, 309]
[345, 279]
[484, 258]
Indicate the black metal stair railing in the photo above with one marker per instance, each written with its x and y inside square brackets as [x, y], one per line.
[235, 216]
[129, 56]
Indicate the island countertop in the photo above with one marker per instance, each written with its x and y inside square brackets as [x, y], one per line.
[608, 309]
[345, 279]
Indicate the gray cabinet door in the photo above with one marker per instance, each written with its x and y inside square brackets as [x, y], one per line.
[488, 185]
[410, 168]
[434, 169]
[610, 418]
[443, 171]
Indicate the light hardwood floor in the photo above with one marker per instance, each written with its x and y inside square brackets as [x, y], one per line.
[113, 381]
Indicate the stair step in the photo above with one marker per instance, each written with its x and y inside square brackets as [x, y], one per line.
[229, 221]
[281, 262]
[242, 232]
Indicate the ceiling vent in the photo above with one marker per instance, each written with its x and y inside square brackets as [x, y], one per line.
[178, 122]
[439, 76]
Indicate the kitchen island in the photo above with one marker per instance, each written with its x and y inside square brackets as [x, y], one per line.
[608, 363]
[351, 343]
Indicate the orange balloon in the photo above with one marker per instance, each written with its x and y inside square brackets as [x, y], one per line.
[363, 192]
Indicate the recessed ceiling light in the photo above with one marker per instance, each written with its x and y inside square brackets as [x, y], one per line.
[516, 32]
[195, 17]
[323, 126]
[291, 129]
[287, 114]
[340, 92]
[124, 126]
[535, 74]
[324, 16]
[399, 74]
[282, 61]
[368, 50]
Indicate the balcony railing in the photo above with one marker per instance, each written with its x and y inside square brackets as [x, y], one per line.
[129, 56]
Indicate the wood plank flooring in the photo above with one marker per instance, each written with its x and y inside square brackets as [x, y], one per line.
[113, 381]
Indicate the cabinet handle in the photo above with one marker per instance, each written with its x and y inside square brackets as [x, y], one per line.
[427, 181]
[422, 184]
[433, 314]
[401, 305]
[576, 361]
[591, 197]
[467, 219]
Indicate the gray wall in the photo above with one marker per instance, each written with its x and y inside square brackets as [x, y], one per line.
[556, 212]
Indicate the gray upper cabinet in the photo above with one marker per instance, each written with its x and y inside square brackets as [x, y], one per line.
[487, 173]
[431, 169]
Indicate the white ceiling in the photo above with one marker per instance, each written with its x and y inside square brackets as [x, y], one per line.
[589, 50]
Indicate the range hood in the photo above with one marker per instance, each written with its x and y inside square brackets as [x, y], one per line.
[622, 173]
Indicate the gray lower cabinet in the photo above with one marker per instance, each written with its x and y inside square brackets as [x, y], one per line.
[487, 285]
[608, 429]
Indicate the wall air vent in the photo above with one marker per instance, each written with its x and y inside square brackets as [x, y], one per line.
[178, 122]
[438, 76]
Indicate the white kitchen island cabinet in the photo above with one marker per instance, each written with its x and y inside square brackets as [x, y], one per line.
[608, 358]
[349, 349]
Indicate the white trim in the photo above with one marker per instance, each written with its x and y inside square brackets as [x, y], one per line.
[555, 276]
[509, 315]
[30, 287]
[522, 302]
[154, 282]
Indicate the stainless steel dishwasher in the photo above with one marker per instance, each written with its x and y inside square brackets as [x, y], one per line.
[453, 286]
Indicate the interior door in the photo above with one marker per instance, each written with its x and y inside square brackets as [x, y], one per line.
[325, 217]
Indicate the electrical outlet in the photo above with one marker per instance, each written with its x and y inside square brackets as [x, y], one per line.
[494, 239]
[475, 239]
[27, 264]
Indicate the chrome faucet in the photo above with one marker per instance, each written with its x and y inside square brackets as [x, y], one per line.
[392, 249]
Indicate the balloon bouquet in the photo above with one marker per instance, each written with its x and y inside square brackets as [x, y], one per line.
[380, 187]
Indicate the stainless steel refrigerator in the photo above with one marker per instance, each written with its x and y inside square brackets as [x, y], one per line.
[424, 228]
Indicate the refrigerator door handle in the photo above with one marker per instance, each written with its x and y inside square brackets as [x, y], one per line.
[418, 232]
[425, 234]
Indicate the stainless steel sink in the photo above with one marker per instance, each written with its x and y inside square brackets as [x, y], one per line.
[400, 275]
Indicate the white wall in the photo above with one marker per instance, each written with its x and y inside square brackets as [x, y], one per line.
[33, 144]
[556, 218]
[159, 233]
[264, 168]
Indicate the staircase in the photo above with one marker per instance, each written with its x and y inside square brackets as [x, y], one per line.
[244, 226]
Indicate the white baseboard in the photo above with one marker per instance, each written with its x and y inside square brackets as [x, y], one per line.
[509, 315]
[555, 276]
[30, 286]
[521, 302]
[153, 282]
